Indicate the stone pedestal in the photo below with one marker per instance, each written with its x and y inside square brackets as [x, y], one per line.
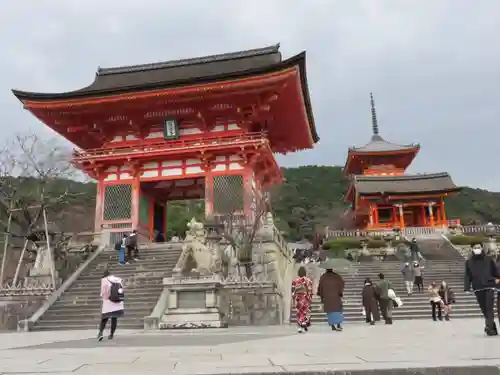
[192, 303]
[40, 273]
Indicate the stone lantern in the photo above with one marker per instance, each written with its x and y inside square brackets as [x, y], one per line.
[388, 238]
[364, 246]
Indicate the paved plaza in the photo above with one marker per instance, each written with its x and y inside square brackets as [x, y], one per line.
[257, 350]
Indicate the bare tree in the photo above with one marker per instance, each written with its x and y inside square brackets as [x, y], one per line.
[241, 229]
[33, 172]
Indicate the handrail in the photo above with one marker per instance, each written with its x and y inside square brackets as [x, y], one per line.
[27, 324]
[170, 145]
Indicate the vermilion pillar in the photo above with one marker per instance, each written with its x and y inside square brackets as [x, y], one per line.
[209, 194]
[423, 216]
[401, 217]
[443, 212]
[136, 190]
[375, 214]
[99, 206]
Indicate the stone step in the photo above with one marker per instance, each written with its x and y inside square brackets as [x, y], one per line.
[406, 305]
[129, 296]
[129, 284]
[142, 263]
[84, 305]
[157, 272]
[90, 325]
[353, 316]
[80, 306]
[127, 279]
[136, 323]
[400, 312]
[323, 320]
[140, 312]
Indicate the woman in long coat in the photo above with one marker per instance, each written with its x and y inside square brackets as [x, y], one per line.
[370, 306]
[302, 292]
[331, 291]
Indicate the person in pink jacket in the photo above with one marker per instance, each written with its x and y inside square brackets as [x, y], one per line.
[112, 296]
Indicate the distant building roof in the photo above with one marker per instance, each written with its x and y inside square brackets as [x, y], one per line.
[421, 183]
[379, 144]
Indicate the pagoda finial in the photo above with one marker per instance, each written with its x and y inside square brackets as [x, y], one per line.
[374, 116]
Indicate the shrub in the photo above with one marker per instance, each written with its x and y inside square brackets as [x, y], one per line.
[376, 244]
[342, 243]
[466, 240]
[399, 242]
[336, 253]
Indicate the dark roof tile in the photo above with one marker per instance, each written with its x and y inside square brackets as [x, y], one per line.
[420, 183]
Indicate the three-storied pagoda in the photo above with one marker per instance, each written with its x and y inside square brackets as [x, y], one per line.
[200, 128]
[382, 196]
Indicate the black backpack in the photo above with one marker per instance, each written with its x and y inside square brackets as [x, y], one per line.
[118, 246]
[116, 293]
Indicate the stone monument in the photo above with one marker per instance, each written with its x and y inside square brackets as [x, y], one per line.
[40, 273]
[192, 303]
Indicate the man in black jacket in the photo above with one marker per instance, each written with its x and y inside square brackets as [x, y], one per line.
[482, 275]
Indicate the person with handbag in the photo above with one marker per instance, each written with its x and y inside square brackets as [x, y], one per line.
[435, 301]
[448, 297]
[385, 302]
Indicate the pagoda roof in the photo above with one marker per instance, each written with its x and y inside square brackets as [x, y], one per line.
[404, 184]
[379, 144]
[172, 73]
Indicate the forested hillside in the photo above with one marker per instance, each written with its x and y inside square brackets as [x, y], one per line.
[310, 198]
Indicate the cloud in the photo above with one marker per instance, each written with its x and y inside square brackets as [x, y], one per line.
[433, 65]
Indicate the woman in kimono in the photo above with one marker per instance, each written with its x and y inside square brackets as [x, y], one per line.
[302, 295]
[331, 291]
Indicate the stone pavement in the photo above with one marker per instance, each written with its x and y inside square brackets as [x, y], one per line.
[257, 350]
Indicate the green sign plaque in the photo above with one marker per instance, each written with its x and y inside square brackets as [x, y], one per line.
[171, 129]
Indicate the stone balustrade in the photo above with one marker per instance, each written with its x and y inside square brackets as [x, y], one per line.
[413, 231]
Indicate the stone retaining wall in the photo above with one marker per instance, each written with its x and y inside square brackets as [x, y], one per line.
[14, 309]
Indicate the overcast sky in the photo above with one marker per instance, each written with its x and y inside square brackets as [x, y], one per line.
[433, 65]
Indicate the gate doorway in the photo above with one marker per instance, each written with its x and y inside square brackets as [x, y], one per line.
[166, 206]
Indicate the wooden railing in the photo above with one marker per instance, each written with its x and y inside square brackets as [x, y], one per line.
[146, 148]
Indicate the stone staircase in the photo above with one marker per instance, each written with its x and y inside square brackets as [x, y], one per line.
[437, 248]
[415, 306]
[80, 306]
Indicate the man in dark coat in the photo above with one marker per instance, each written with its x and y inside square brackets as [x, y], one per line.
[132, 246]
[482, 276]
[414, 250]
[331, 291]
[369, 300]
[385, 302]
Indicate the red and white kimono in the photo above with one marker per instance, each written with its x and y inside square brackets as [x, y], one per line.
[302, 292]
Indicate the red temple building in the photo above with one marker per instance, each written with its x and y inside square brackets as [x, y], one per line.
[200, 128]
[383, 196]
